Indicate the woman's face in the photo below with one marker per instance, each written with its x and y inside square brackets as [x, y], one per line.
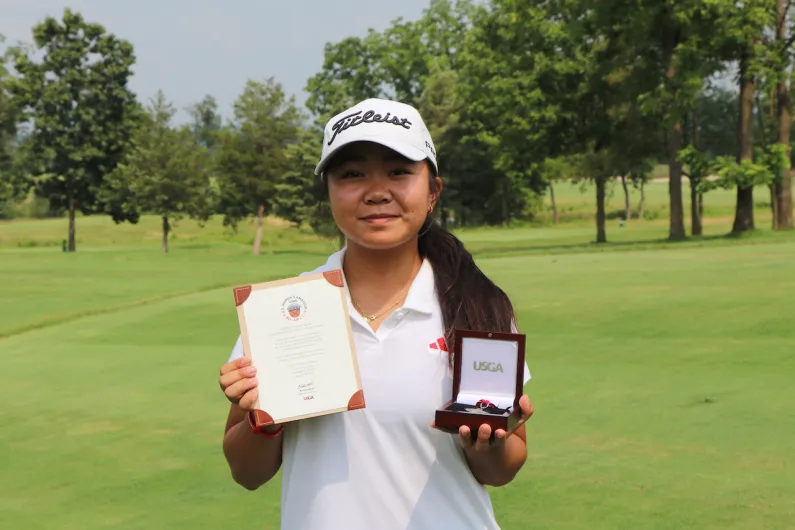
[379, 199]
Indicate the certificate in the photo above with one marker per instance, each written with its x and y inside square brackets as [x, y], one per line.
[298, 335]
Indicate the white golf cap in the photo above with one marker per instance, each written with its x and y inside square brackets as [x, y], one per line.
[392, 124]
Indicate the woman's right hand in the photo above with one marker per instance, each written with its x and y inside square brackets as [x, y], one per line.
[239, 384]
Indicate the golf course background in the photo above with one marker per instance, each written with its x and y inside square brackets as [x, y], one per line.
[662, 372]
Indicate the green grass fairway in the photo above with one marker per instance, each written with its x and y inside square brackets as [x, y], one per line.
[662, 376]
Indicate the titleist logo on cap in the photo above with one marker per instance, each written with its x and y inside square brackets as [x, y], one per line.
[352, 120]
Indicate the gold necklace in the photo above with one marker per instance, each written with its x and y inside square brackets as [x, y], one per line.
[370, 318]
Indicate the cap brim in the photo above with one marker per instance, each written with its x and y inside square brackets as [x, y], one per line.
[409, 151]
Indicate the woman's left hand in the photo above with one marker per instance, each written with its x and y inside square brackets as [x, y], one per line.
[484, 440]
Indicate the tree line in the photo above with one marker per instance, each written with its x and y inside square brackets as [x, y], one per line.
[517, 94]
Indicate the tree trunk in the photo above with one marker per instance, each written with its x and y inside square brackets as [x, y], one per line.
[700, 205]
[71, 245]
[504, 200]
[642, 204]
[601, 235]
[676, 229]
[695, 215]
[166, 230]
[258, 235]
[784, 201]
[555, 218]
[744, 212]
[774, 204]
[782, 190]
[627, 205]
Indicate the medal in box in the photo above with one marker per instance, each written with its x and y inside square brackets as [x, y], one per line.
[488, 375]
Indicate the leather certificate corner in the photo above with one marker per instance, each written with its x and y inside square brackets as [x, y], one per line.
[356, 401]
[334, 277]
[242, 294]
[261, 418]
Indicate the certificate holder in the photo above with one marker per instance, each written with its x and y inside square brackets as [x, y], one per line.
[297, 332]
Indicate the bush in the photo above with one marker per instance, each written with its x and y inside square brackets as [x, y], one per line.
[31, 207]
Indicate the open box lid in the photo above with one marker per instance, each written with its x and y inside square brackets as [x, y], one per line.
[488, 365]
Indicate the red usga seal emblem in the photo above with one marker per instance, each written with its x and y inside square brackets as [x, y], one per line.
[294, 308]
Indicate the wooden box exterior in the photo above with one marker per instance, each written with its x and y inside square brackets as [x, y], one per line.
[451, 421]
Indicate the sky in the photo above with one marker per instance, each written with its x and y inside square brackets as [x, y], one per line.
[191, 48]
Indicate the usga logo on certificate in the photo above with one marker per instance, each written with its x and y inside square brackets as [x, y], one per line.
[294, 308]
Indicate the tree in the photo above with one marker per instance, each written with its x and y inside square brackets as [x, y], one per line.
[711, 125]
[699, 166]
[556, 170]
[205, 121]
[520, 78]
[662, 49]
[301, 196]
[709, 132]
[9, 117]
[9, 113]
[410, 53]
[252, 155]
[298, 189]
[782, 185]
[166, 172]
[80, 107]
[395, 63]
[441, 109]
[739, 37]
[350, 73]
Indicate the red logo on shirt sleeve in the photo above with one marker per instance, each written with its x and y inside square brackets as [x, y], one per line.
[439, 344]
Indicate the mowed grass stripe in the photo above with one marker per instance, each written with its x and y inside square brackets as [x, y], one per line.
[68, 317]
[40, 289]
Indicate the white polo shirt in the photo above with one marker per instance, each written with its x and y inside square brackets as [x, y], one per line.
[383, 467]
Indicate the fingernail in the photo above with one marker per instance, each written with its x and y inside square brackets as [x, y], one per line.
[250, 370]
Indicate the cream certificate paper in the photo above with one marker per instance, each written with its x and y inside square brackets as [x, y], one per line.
[298, 334]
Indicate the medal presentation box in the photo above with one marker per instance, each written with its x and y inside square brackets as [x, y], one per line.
[297, 332]
[488, 375]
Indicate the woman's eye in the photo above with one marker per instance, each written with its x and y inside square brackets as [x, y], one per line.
[351, 174]
[401, 171]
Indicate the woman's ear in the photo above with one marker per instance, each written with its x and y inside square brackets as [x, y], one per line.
[437, 187]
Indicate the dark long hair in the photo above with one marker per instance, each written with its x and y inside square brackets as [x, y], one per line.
[468, 298]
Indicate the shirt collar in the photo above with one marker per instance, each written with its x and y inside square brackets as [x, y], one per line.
[422, 293]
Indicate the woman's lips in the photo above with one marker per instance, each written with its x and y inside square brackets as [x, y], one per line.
[379, 219]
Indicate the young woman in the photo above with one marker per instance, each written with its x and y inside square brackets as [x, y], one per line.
[409, 284]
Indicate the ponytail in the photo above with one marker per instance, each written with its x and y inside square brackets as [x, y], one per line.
[468, 298]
